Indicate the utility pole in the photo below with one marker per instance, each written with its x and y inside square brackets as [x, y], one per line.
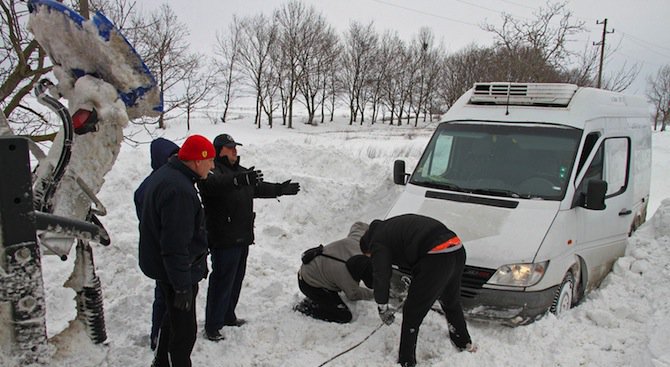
[602, 50]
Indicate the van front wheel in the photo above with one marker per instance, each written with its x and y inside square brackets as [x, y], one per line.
[563, 298]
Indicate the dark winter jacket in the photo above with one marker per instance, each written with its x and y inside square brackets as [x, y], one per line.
[229, 208]
[161, 149]
[401, 240]
[173, 243]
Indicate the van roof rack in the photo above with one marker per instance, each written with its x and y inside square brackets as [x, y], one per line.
[524, 94]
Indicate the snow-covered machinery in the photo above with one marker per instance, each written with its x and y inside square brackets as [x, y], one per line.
[106, 83]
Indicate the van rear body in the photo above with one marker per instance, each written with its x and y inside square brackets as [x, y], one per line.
[543, 183]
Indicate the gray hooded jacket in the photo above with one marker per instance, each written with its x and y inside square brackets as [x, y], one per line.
[323, 272]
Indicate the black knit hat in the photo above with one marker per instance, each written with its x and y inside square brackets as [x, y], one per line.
[365, 239]
[360, 268]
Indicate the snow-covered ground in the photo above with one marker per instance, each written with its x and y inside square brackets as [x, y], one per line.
[345, 175]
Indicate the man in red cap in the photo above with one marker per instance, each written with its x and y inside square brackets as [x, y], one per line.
[173, 245]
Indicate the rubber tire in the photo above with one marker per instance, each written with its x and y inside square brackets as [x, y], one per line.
[563, 299]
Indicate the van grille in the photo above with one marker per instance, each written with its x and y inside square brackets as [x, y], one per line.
[473, 279]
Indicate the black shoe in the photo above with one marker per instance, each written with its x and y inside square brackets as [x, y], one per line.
[306, 306]
[407, 364]
[214, 336]
[237, 323]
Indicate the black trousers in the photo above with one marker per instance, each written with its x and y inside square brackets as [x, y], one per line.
[323, 304]
[434, 277]
[177, 334]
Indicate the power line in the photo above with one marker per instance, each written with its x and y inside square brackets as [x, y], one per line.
[425, 13]
[479, 6]
[649, 44]
[627, 57]
[518, 4]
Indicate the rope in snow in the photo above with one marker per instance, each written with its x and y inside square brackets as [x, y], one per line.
[397, 308]
[353, 347]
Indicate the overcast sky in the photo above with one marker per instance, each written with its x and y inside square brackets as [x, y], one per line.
[641, 28]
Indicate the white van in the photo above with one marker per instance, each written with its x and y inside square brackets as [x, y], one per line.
[543, 183]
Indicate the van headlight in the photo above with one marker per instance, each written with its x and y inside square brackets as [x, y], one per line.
[519, 275]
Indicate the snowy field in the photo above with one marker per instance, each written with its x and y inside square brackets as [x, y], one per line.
[345, 173]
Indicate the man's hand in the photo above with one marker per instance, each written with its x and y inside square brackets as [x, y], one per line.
[386, 314]
[248, 178]
[288, 188]
[183, 300]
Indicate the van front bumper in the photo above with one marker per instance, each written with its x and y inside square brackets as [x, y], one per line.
[507, 307]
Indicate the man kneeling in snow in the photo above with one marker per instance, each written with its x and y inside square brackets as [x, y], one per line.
[338, 266]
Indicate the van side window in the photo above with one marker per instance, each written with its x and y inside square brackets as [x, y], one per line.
[610, 163]
[616, 165]
[589, 143]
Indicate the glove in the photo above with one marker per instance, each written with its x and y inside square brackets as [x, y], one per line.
[386, 313]
[183, 300]
[249, 178]
[288, 188]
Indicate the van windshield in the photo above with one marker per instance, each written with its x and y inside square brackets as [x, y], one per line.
[512, 160]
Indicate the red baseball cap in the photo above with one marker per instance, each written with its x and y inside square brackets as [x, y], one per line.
[196, 148]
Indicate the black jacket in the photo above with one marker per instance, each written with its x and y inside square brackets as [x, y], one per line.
[401, 240]
[173, 241]
[229, 209]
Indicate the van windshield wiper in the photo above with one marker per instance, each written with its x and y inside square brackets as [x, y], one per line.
[497, 192]
[441, 185]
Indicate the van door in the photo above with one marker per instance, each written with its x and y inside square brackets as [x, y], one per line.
[603, 233]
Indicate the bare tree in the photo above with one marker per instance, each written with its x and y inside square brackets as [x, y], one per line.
[432, 71]
[586, 67]
[22, 61]
[198, 84]
[621, 78]
[300, 31]
[227, 60]
[164, 48]
[332, 87]
[258, 39]
[536, 46]
[462, 69]
[658, 93]
[380, 69]
[316, 65]
[123, 13]
[269, 89]
[394, 86]
[428, 66]
[585, 72]
[360, 44]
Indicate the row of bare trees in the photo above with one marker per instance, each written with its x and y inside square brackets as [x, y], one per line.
[295, 56]
[293, 59]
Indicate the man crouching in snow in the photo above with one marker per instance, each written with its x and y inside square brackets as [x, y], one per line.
[338, 266]
[436, 258]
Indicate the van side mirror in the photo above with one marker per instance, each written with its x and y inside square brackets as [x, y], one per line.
[399, 175]
[595, 195]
